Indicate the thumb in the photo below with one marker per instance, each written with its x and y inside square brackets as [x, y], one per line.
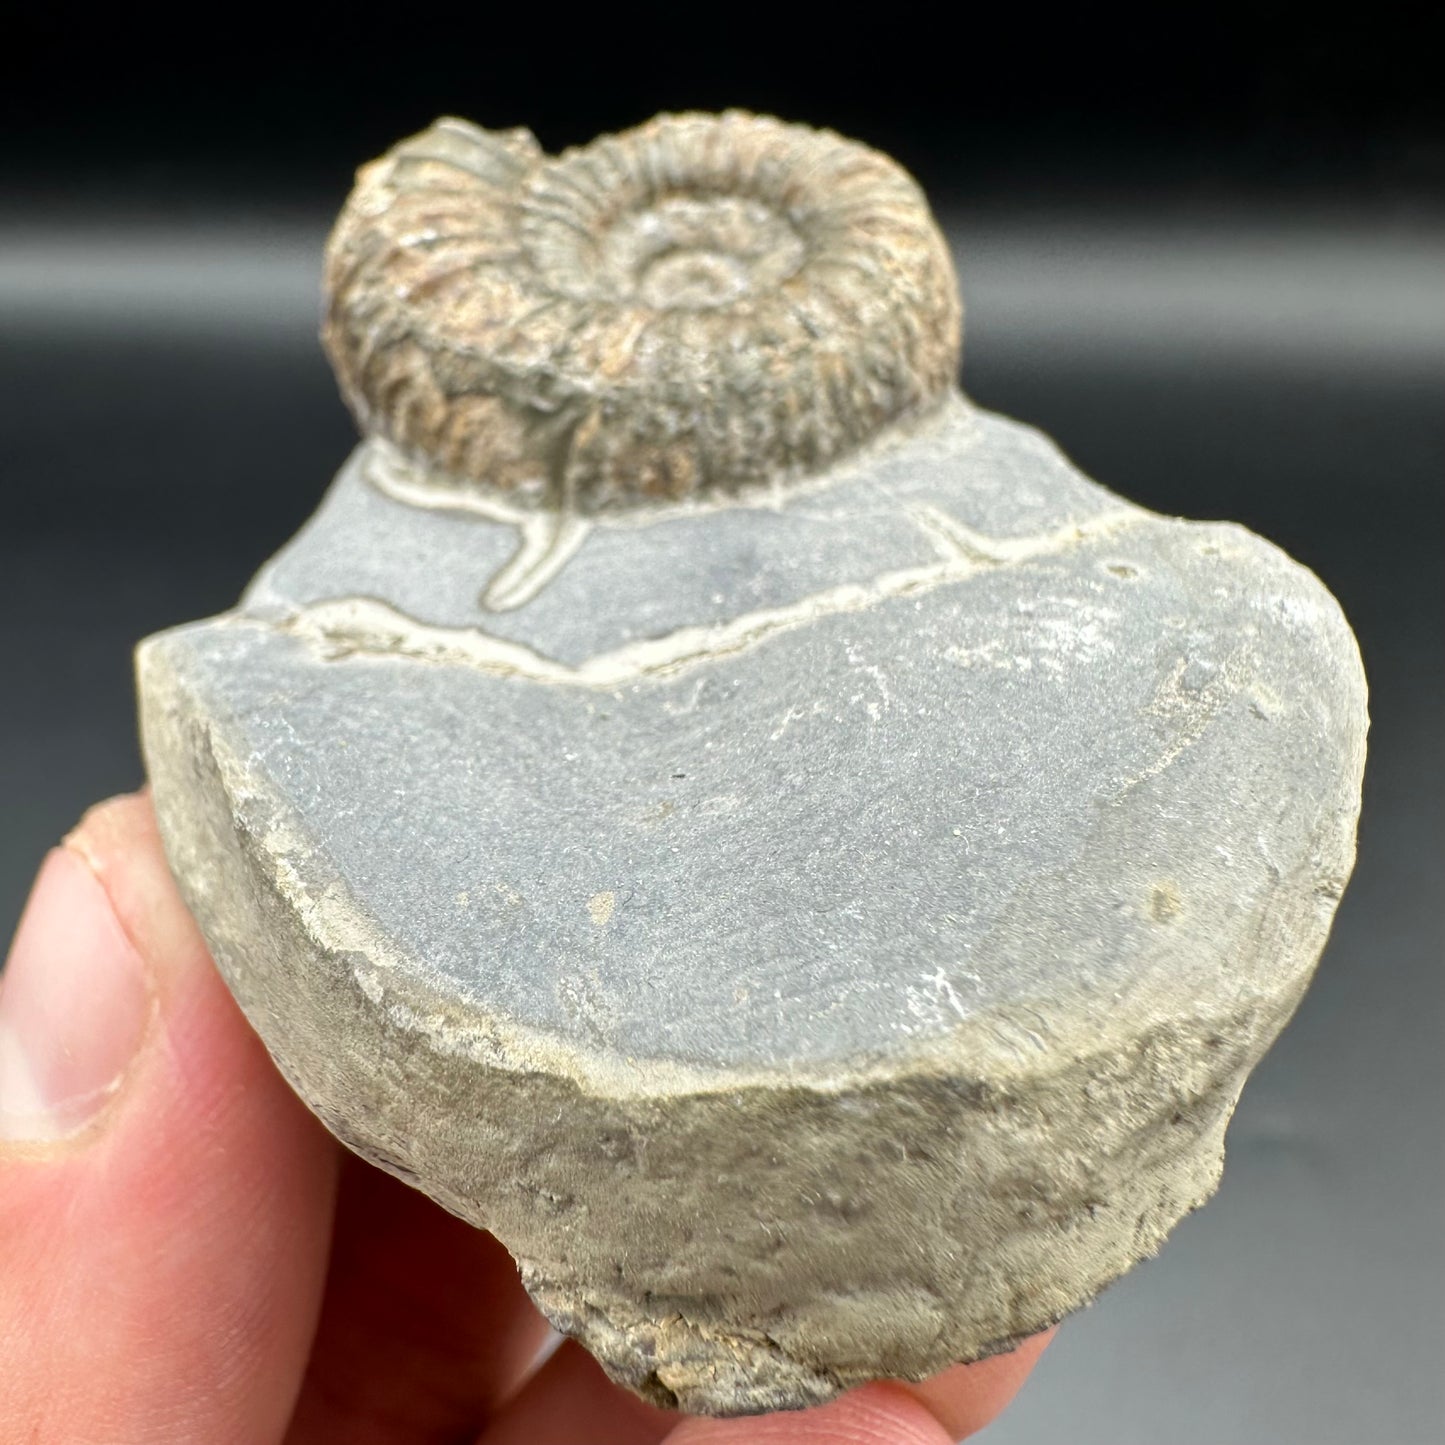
[164, 1199]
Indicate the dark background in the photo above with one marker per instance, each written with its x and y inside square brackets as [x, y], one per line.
[1206, 251]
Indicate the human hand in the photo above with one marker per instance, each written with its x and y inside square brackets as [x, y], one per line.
[188, 1258]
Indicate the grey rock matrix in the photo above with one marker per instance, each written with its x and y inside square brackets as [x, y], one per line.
[805, 867]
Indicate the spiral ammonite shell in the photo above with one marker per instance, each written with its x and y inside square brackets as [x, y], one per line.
[687, 308]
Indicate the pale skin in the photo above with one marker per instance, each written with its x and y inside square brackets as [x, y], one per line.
[187, 1256]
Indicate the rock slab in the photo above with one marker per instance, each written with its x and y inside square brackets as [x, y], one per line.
[822, 933]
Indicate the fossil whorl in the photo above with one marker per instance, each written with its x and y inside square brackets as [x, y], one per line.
[689, 307]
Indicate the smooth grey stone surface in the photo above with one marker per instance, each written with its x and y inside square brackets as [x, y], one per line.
[640, 576]
[823, 937]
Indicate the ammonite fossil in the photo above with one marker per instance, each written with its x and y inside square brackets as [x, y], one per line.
[700, 304]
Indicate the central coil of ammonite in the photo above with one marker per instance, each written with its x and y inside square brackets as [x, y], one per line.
[689, 308]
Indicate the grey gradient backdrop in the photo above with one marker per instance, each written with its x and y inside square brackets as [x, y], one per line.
[1245, 320]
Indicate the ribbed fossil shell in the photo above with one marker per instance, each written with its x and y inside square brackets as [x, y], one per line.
[690, 307]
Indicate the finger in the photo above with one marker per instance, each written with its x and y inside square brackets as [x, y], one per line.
[569, 1401]
[425, 1325]
[165, 1201]
[968, 1397]
[878, 1414]
[947, 1408]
